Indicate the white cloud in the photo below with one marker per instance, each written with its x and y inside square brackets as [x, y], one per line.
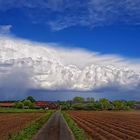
[83, 58]
[68, 55]
[5, 29]
[55, 67]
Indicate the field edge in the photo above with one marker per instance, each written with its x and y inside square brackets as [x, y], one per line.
[28, 132]
[78, 132]
[17, 110]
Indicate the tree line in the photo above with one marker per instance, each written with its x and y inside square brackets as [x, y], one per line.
[80, 103]
[29, 102]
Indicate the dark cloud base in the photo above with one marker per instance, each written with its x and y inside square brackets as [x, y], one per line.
[41, 94]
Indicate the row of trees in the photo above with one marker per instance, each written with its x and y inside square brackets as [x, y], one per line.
[79, 103]
[29, 102]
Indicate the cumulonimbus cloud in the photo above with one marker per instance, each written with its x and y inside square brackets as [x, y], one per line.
[67, 55]
[27, 64]
[56, 67]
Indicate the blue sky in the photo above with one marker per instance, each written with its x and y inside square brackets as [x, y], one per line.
[97, 25]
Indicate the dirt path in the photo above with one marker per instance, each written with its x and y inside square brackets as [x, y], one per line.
[55, 129]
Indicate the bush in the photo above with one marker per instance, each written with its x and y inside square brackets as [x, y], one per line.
[65, 107]
[28, 103]
[24, 103]
[19, 104]
[79, 106]
[120, 105]
[90, 106]
[105, 104]
[98, 106]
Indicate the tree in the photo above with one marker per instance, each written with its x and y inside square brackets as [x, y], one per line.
[90, 106]
[19, 104]
[65, 105]
[28, 103]
[98, 105]
[105, 104]
[78, 99]
[31, 99]
[79, 106]
[90, 100]
[120, 105]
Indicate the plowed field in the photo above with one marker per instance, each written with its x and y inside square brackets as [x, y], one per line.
[109, 125]
[11, 123]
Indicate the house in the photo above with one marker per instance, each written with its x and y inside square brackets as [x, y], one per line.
[7, 104]
[46, 105]
[41, 104]
[52, 105]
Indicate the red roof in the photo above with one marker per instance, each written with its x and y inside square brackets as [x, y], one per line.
[41, 104]
[45, 104]
[4, 104]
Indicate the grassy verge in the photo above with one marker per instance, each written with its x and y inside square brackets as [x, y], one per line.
[28, 132]
[78, 132]
[16, 110]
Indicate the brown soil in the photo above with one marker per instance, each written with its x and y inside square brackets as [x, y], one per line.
[105, 125]
[11, 123]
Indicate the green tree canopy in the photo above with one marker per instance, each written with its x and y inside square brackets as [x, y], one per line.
[31, 99]
[19, 104]
[28, 103]
[120, 105]
[90, 99]
[78, 99]
[105, 104]
[79, 106]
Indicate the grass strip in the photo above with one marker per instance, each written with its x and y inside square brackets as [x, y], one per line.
[78, 132]
[28, 132]
[16, 110]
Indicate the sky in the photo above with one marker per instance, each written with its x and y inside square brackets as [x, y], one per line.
[99, 25]
[106, 27]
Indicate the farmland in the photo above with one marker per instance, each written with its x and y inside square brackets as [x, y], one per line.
[103, 125]
[11, 123]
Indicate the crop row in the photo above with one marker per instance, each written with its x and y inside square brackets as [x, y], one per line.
[114, 126]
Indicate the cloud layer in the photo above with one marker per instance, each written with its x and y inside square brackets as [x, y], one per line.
[60, 14]
[25, 65]
[57, 52]
[54, 67]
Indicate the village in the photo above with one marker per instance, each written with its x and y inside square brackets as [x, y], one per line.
[77, 103]
[30, 103]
